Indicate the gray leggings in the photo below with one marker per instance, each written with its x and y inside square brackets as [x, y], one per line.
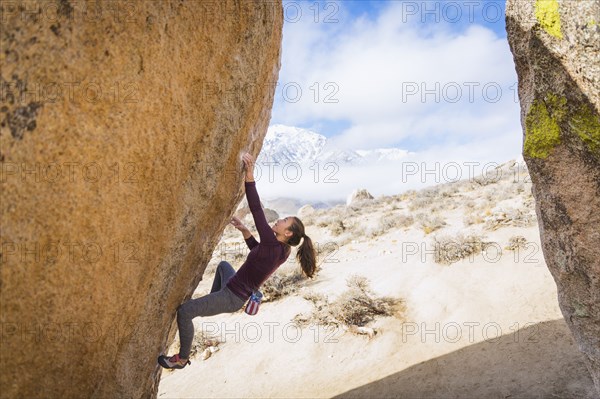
[220, 300]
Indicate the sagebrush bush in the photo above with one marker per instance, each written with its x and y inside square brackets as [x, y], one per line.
[516, 243]
[356, 306]
[203, 341]
[488, 178]
[420, 203]
[404, 220]
[322, 223]
[449, 250]
[395, 220]
[468, 203]
[358, 231]
[386, 222]
[430, 223]
[202, 344]
[337, 227]
[509, 217]
[282, 283]
[472, 218]
[308, 220]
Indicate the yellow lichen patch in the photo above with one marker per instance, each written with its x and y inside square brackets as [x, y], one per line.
[546, 12]
[542, 132]
[586, 124]
[557, 106]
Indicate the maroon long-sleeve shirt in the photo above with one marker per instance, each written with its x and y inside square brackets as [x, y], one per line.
[264, 257]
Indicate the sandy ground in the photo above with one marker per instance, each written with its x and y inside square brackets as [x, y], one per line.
[486, 326]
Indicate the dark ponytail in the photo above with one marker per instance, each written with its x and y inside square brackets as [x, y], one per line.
[306, 252]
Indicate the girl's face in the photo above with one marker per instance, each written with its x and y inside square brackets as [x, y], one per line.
[281, 226]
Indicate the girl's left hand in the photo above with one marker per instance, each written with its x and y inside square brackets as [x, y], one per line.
[237, 223]
[248, 160]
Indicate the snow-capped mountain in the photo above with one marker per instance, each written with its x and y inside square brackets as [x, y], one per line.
[284, 144]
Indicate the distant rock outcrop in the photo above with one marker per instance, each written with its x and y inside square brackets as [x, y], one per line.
[243, 213]
[305, 211]
[271, 215]
[358, 195]
[121, 130]
[556, 47]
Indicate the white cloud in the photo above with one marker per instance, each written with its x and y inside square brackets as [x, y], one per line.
[374, 61]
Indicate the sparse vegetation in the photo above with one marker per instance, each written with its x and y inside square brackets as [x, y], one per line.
[516, 242]
[509, 217]
[356, 306]
[449, 250]
[472, 218]
[420, 203]
[203, 345]
[390, 221]
[282, 283]
[337, 227]
[429, 223]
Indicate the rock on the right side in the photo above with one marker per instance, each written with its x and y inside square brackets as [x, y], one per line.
[556, 48]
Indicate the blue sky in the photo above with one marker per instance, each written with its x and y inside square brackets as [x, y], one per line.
[460, 14]
[425, 76]
[435, 78]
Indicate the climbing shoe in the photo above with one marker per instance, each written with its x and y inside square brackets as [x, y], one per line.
[173, 362]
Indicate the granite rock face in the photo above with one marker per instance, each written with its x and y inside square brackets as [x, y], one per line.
[556, 48]
[121, 130]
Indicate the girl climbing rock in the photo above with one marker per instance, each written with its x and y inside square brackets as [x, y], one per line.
[230, 289]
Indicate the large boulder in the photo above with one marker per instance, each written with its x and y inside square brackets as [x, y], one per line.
[556, 48]
[122, 126]
[306, 211]
[357, 196]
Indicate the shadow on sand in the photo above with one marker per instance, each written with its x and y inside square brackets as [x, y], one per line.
[540, 361]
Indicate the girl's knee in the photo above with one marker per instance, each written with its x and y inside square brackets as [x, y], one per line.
[183, 311]
[222, 264]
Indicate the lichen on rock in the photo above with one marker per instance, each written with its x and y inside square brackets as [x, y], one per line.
[587, 126]
[548, 16]
[559, 92]
[542, 129]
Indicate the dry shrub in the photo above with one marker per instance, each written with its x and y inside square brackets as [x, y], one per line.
[430, 223]
[450, 203]
[390, 221]
[202, 341]
[387, 222]
[516, 242]
[425, 198]
[282, 283]
[308, 220]
[322, 223]
[468, 203]
[202, 344]
[472, 218]
[487, 179]
[404, 220]
[452, 249]
[509, 217]
[337, 227]
[419, 203]
[356, 306]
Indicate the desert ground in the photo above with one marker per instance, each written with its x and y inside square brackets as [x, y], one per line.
[459, 304]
